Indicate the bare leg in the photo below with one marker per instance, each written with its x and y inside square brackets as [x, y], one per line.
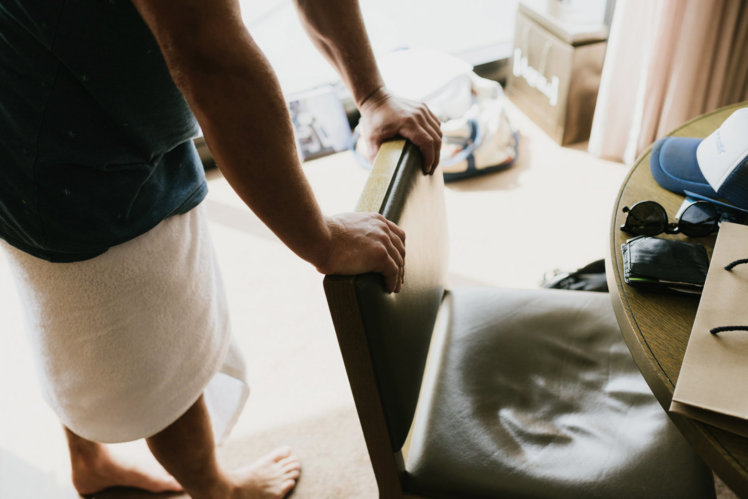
[187, 450]
[94, 468]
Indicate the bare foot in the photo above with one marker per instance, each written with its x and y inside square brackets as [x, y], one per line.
[99, 470]
[271, 477]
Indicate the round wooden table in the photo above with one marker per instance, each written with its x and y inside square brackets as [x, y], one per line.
[656, 327]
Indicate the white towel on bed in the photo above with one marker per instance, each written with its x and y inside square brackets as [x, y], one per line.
[127, 341]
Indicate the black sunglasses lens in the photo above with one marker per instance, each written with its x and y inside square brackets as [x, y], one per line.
[699, 219]
[646, 218]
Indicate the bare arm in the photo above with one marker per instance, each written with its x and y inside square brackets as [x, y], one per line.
[237, 100]
[337, 29]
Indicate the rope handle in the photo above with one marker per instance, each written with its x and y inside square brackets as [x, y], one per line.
[734, 264]
[717, 330]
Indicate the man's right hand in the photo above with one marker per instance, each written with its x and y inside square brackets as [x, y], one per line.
[384, 116]
[365, 242]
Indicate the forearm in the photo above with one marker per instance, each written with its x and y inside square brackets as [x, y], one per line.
[239, 105]
[246, 126]
[337, 30]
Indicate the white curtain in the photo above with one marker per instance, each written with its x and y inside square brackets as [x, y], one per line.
[667, 61]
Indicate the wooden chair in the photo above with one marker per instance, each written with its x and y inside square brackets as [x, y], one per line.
[488, 392]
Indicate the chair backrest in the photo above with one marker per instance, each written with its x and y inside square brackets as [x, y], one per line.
[384, 338]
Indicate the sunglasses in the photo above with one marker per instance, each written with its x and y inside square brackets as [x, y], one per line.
[649, 218]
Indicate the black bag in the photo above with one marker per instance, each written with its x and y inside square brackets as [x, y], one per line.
[591, 277]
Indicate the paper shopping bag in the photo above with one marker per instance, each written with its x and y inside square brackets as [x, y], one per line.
[712, 384]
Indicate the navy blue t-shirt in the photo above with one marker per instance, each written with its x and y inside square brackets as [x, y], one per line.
[95, 138]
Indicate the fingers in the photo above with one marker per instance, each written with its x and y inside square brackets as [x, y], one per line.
[393, 266]
[429, 147]
[436, 133]
[392, 278]
[366, 242]
[433, 120]
[400, 233]
[397, 251]
[392, 256]
[425, 132]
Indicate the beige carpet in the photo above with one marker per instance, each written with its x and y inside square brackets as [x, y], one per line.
[330, 446]
[551, 210]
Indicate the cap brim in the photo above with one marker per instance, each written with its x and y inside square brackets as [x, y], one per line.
[719, 202]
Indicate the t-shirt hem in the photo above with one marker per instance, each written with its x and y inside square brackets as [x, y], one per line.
[191, 201]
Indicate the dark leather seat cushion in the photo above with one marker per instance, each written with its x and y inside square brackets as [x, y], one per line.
[533, 393]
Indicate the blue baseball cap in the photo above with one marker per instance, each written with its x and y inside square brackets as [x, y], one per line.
[715, 167]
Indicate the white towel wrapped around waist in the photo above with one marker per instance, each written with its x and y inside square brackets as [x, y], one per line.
[128, 341]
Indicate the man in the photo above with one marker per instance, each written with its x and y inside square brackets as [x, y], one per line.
[99, 179]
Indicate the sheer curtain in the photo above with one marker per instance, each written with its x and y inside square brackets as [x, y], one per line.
[667, 61]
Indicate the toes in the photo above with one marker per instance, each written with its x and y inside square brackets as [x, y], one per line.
[275, 474]
[291, 466]
[287, 486]
[281, 453]
[290, 460]
[293, 473]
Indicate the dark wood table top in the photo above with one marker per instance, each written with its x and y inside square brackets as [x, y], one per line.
[656, 327]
